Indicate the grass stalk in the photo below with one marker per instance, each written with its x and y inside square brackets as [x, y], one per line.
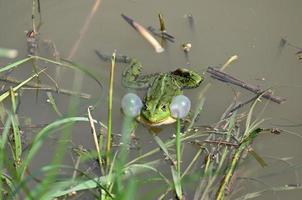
[16, 88]
[17, 147]
[95, 138]
[3, 140]
[109, 130]
[225, 152]
[245, 142]
[177, 185]
[178, 146]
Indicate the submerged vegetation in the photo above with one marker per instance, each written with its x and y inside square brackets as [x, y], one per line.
[195, 161]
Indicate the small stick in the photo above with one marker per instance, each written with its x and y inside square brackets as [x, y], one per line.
[240, 105]
[222, 76]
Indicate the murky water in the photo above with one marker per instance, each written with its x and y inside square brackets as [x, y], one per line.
[250, 29]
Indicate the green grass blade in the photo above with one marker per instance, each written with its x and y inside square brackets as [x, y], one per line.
[110, 93]
[90, 184]
[16, 131]
[131, 190]
[196, 113]
[16, 88]
[8, 53]
[48, 130]
[14, 65]
[3, 140]
[71, 65]
[17, 140]
[258, 158]
[151, 168]
[164, 148]
[178, 146]
[53, 104]
[177, 182]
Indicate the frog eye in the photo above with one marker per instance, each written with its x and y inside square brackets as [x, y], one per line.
[164, 108]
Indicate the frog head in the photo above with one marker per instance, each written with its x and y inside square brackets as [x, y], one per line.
[155, 114]
[156, 103]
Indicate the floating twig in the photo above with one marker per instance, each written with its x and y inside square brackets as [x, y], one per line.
[163, 35]
[163, 30]
[222, 76]
[118, 58]
[145, 33]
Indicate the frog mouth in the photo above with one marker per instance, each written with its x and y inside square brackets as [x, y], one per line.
[145, 121]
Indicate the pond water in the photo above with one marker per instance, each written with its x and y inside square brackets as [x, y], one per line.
[250, 29]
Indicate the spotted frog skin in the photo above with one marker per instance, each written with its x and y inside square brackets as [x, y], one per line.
[161, 88]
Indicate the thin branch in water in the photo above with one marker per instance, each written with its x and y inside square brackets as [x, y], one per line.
[222, 76]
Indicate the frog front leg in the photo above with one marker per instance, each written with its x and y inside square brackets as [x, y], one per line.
[132, 77]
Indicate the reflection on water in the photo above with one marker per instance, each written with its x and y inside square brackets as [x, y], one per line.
[217, 30]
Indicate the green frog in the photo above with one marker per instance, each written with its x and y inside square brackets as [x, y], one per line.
[161, 88]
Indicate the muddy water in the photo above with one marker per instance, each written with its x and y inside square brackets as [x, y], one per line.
[220, 29]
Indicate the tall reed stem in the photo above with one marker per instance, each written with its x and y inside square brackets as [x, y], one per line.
[109, 131]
